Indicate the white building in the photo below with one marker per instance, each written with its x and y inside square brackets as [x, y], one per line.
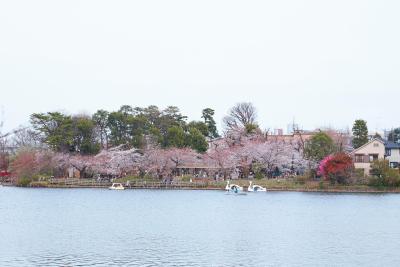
[366, 154]
[392, 154]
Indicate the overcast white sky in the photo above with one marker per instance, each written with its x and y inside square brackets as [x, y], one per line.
[324, 63]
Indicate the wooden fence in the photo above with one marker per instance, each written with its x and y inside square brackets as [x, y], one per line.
[134, 184]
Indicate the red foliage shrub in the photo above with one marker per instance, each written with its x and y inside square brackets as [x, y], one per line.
[4, 159]
[4, 173]
[24, 165]
[337, 168]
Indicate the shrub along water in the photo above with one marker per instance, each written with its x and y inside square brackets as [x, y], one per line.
[383, 175]
[337, 168]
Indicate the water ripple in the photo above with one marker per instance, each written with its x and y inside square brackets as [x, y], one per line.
[196, 228]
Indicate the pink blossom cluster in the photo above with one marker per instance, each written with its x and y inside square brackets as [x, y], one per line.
[322, 165]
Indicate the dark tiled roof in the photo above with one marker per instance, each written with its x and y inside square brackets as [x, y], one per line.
[390, 144]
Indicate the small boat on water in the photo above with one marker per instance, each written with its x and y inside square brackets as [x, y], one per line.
[230, 187]
[256, 188]
[117, 186]
[234, 188]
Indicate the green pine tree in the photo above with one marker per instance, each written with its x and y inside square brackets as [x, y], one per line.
[360, 133]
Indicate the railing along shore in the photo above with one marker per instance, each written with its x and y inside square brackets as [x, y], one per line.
[133, 184]
[203, 185]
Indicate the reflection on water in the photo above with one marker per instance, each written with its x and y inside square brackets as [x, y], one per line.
[94, 227]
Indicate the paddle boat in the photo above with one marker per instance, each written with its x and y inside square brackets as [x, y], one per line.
[234, 188]
[256, 188]
[116, 186]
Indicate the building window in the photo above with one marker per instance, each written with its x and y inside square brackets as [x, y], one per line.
[373, 157]
[394, 165]
[359, 158]
[376, 145]
[388, 152]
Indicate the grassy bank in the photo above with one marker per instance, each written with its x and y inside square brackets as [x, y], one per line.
[270, 184]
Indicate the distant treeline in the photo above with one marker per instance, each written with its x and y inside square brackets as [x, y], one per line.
[136, 127]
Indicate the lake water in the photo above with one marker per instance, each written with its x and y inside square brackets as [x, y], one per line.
[95, 227]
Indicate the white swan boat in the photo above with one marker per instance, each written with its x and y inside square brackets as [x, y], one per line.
[234, 188]
[116, 186]
[256, 188]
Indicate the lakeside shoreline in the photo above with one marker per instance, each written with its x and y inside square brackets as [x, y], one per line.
[210, 188]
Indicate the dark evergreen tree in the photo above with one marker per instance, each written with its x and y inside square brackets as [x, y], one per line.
[100, 118]
[318, 147]
[360, 133]
[394, 135]
[55, 129]
[84, 136]
[175, 137]
[196, 140]
[208, 116]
